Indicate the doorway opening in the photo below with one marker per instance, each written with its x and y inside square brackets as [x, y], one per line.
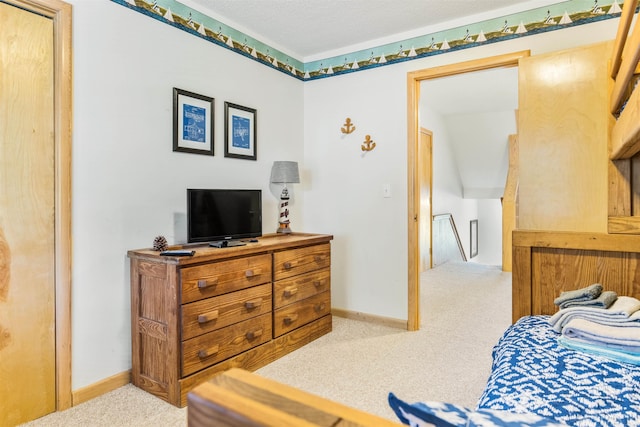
[414, 80]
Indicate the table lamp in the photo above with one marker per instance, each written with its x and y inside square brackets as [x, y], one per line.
[284, 172]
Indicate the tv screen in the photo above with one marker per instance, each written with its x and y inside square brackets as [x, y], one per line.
[216, 215]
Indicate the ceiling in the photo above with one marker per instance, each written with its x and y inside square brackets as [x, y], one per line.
[307, 29]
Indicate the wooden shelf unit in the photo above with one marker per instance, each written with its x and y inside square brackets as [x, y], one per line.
[233, 307]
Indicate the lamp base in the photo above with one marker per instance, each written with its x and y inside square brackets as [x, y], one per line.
[284, 228]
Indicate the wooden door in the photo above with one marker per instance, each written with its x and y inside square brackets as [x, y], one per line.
[27, 216]
[425, 175]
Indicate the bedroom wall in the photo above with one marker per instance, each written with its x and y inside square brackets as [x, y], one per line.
[128, 184]
[370, 250]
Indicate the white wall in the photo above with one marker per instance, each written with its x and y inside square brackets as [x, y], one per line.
[489, 232]
[128, 184]
[370, 247]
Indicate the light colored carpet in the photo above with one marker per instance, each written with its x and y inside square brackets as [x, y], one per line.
[465, 307]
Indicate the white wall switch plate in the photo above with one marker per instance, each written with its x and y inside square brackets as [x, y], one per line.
[386, 190]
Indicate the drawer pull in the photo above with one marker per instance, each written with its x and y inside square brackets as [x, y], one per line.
[208, 317]
[251, 335]
[208, 351]
[253, 303]
[290, 319]
[317, 283]
[249, 273]
[319, 258]
[319, 307]
[203, 283]
[287, 265]
[289, 291]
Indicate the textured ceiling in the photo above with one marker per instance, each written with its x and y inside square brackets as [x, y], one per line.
[306, 29]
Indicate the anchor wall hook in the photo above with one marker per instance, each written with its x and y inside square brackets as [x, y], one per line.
[348, 126]
[368, 144]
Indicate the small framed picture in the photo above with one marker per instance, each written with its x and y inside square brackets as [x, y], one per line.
[474, 238]
[240, 132]
[192, 122]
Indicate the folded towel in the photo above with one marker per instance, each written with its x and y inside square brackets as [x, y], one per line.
[605, 300]
[613, 337]
[620, 356]
[620, 311]
[584, 294]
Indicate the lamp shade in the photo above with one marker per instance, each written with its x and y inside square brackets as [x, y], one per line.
[285, 172]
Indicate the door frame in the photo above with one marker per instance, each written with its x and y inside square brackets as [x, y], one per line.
[425, 158]
[413, 127]
[61, 15]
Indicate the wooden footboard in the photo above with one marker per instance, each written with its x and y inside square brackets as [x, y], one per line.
[546, 263]
[239, 398]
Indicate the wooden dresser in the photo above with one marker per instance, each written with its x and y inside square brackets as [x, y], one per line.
[244, 306]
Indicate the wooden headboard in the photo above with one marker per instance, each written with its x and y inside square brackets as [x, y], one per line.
[547, 263]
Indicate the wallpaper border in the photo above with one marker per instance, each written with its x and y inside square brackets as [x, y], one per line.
[535, 21]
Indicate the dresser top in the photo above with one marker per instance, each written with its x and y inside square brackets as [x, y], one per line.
[204, 252]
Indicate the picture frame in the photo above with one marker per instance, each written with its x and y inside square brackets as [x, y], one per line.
[473, 233]
[193, 122]
[240, 136]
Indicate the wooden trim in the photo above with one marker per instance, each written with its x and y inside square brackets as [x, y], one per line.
[619, 172]
[630, 56]
[370, 318]
[576, 240]
[521, 297]
[510, 204]
[61, 14]
[625, 134]
[621, 36]
[413, 98]
[101, 387]
[624, 225]
[413, 201]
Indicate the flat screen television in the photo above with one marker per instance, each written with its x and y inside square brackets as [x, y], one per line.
[216, 215]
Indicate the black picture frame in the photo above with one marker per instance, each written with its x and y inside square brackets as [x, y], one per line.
[473, 237]
[193, 123]
[240, 132]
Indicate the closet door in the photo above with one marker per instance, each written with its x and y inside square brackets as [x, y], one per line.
[27, 216]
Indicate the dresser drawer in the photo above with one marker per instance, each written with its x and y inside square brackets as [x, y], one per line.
[301, 260]
[300, 313]
[216, 346]
[294, 289]
[222, 277]
[217, 312]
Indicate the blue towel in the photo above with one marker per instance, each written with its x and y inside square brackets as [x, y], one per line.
[605, 300]
[585, 294]
[598, 350]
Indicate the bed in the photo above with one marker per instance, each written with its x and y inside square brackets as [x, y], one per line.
[531, 372]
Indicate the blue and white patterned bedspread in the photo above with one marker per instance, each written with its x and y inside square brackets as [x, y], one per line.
[533, 373]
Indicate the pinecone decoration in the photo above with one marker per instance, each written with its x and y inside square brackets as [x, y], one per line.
[160, 244]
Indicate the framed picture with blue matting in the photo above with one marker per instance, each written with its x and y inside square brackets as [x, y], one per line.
[240, 132]
[192, 122]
